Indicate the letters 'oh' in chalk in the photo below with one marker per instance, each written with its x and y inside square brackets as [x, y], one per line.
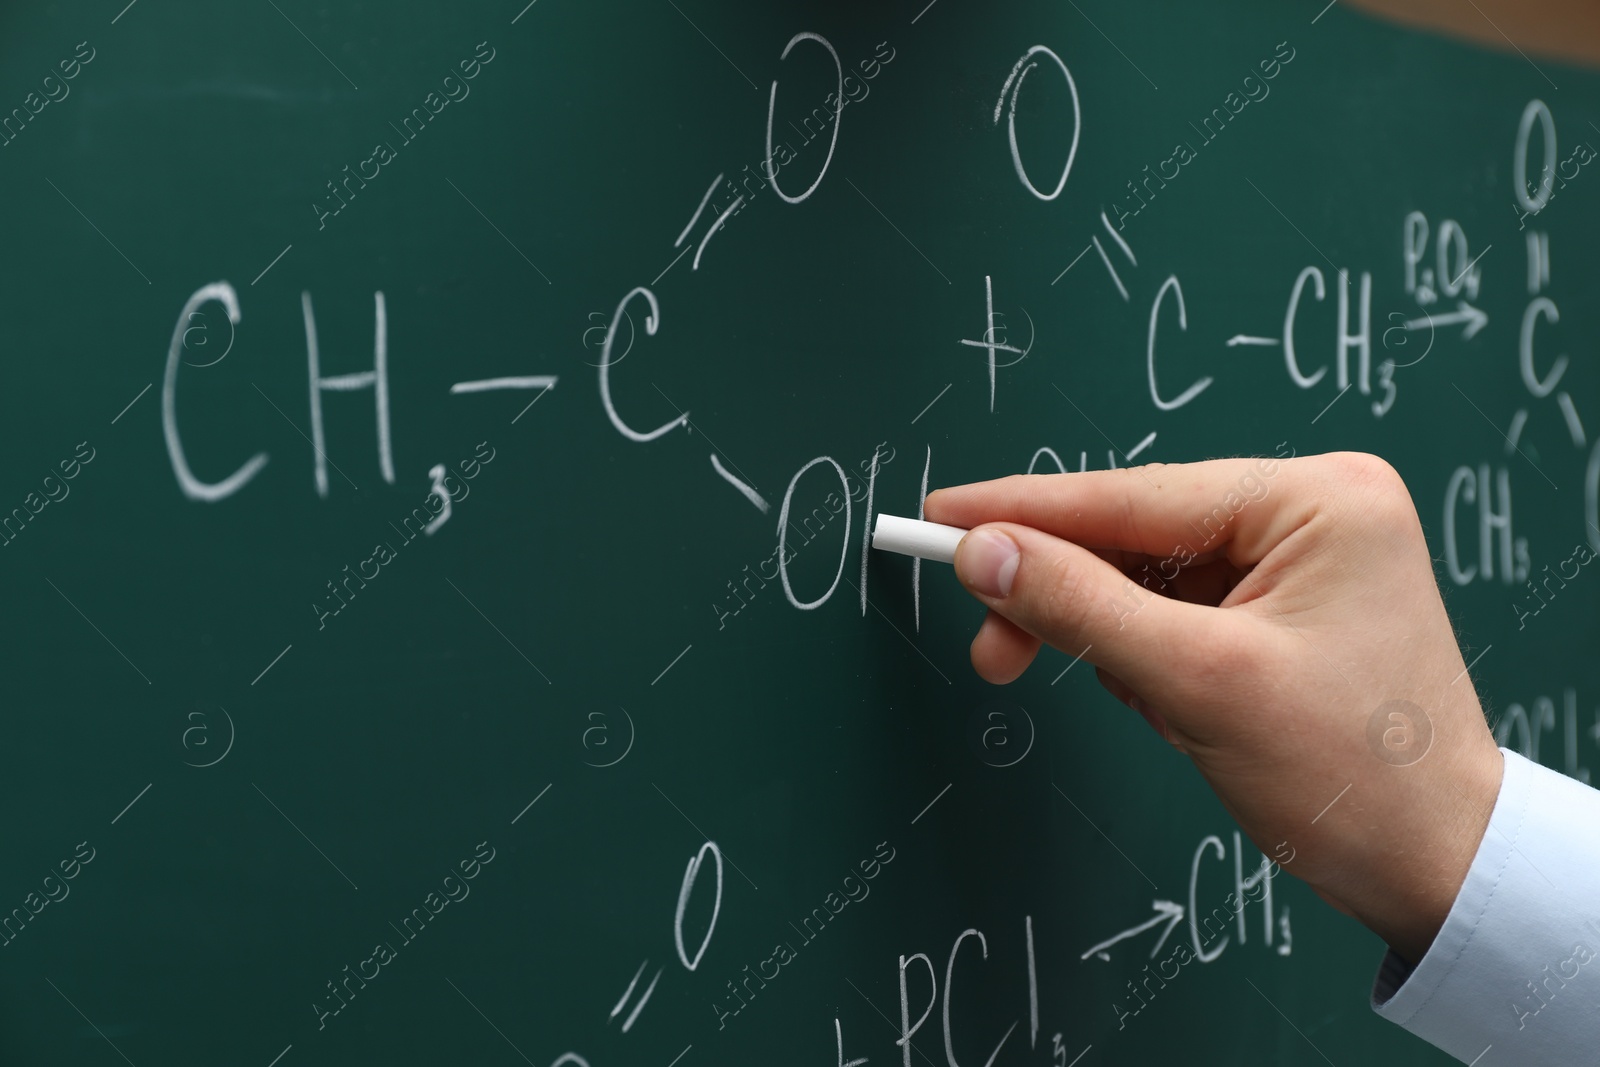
[913, 537]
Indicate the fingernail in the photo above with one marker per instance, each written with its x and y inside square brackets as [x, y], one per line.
[988, 562]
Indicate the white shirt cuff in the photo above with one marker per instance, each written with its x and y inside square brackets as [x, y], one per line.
[1514, 974]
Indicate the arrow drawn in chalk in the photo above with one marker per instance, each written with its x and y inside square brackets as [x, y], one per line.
[1473, 318]
[1166, 912]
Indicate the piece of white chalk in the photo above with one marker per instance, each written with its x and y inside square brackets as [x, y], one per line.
[913, 537]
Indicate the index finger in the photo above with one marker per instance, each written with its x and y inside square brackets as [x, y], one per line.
[1243, 506]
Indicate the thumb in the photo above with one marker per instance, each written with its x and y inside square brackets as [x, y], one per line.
[1168, 651]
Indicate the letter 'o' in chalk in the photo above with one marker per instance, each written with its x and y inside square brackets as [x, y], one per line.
[914, 537]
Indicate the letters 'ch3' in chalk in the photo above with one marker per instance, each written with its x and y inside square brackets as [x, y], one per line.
[913, 537]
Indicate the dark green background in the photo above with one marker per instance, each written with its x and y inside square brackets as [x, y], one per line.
[415, 725]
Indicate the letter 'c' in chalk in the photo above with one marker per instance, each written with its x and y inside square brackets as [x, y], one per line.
[913, 537]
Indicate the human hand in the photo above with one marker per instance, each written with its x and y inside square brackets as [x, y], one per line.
[1259, 613]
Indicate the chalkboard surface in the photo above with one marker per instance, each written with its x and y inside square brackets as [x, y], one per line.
[438, 449]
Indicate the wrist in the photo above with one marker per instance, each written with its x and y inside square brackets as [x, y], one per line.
[1428, 877]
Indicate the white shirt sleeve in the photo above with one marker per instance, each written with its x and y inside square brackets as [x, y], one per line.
[1514, 975]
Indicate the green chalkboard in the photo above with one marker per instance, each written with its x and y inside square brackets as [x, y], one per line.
[405, 659]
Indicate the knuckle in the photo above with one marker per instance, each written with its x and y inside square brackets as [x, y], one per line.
[1371, 485]
[1368, 480]
[1126, 525]
[1365, 472]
